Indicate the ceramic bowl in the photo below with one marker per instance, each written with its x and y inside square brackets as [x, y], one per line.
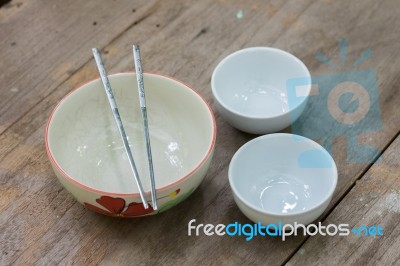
[88, 156]
[250, 92]
[282, 178]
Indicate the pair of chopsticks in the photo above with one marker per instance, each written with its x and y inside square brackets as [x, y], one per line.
[114, 108]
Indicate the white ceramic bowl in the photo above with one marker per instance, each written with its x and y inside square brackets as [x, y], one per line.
[87, 153]
[282, 178]
[249, 89]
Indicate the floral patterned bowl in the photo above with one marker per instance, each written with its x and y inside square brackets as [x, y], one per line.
[87, 153]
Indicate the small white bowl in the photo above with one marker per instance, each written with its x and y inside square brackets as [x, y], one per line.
[89, 159]
[249, 88]
[282, 178]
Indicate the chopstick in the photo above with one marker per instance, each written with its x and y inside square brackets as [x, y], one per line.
[114, 108]
[142, 100]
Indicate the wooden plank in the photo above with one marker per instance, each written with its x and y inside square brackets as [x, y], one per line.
[374, 200]
[41, 46]
[41, 223]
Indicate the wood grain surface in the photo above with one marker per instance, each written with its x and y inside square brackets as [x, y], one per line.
[374, 200]
[45, 53]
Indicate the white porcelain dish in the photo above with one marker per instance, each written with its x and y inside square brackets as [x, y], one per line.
[282, 178]
[249, 89]
[88, 156]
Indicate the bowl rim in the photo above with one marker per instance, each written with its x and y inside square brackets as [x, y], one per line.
[260, 210]
[263, 49]
[136, 194]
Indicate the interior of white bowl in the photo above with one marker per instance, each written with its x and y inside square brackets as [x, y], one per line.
[84, 141]
[252, 81]
[282, 174]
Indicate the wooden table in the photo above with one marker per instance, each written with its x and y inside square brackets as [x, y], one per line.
[45, 53]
